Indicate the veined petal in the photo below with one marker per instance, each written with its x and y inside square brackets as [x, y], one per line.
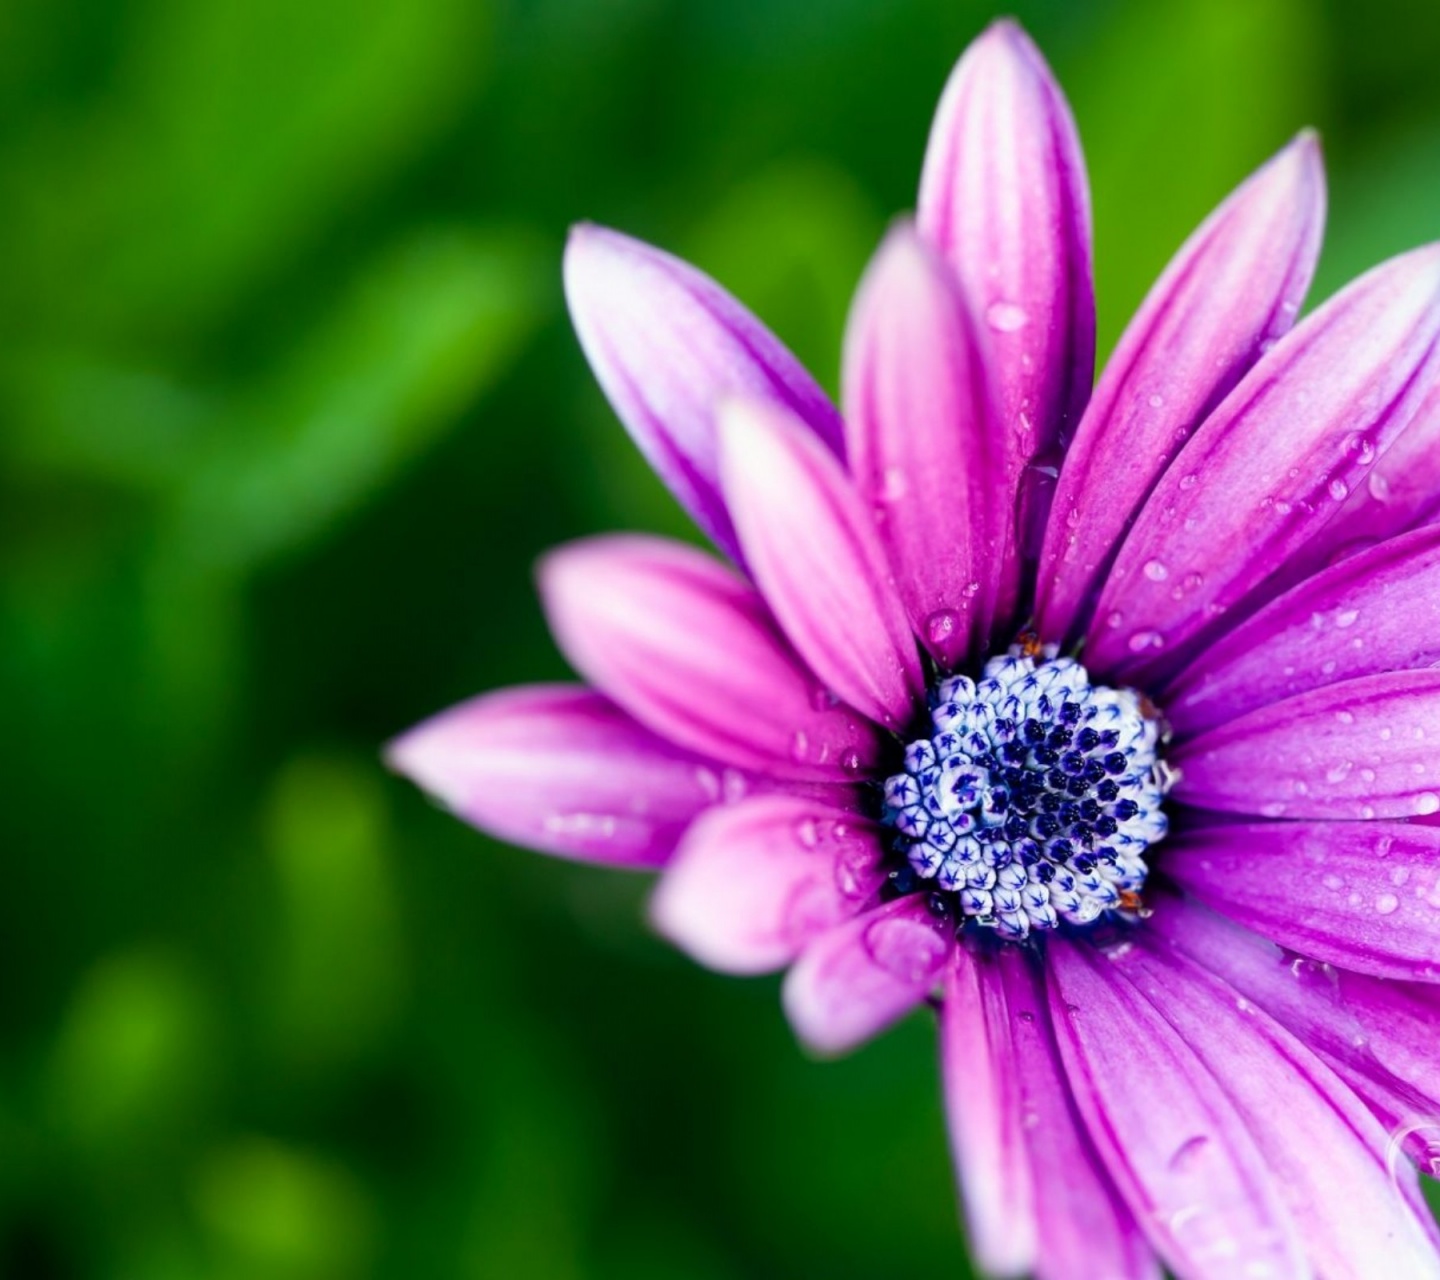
[1165, 1130]
[862, 975]
[1325, 1150]
[561, 769]
[1401, 492]
[922, 427]
[818, 561]
[1234, 287]
[1365, 748]
[1016, 1138]
[667, 344]
[984, 1110]
[753, 883]
[690, 650]
[1378, 1035]
[1270, 467]
[1374, 612]
[1004, 198]
[1361, 895]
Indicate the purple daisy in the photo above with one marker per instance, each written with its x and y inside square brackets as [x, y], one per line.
[1107, 721]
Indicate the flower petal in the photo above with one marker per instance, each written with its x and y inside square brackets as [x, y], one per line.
[1234, 288]
[862, 975]
[1270, 467]
[1365, 748]
[1377, 611]
[1016, 1137]
[563, 770]
[1004, 198]
[1379, 1036]
[690, 650]
[1169, 1136]
[751, 884]
[1362, 895]
[985, 1114]
[667, 343]
[1401, 492]
[922, 424]
[1325, 1150]
[818, 561]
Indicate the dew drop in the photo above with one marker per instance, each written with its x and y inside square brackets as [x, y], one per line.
[1339, 490]
[1156, 571]
[1142, 640]
[850, 762]
[1157, 401]
[1379, 486]
[1386, 903]
[807, 832]
[709, 782]
[1426, 802]
[893, 485]
[800, 746]
[1189, 481]
[1399, 876]
[1006, 317]
[940, 625]
[1347, 618]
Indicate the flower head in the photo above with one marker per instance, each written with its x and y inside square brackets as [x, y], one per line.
[1109, 716]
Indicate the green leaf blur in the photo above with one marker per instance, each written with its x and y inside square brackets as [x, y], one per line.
[288, 406]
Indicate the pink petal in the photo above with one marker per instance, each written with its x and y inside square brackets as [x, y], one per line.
[858, 978]
[1362, 749]
[667, 343]
[1362, 895]
[690, 650]
[1004, 198]
[1038, 1199]
[753, 883]
[922, 426]
[1169, 1136]
[1270, 467]
[563, 770]
[818, 561]
[1325, 1150]
[984, 1108]
[1234, 288]
[1378, 1036]
[1374, 612]
[1401, 493]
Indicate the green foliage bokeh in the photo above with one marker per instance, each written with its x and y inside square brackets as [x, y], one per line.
[288, 406]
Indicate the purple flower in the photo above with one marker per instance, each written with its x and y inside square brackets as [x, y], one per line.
[1111, 716]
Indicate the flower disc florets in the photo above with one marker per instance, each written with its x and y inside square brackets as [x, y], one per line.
[1033, 801]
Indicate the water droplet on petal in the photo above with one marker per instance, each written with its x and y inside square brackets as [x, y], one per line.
[807, 831]
[800, 746]
[1143, 640]
[940, 625]
[1156, 571]
[1426, 802]
[1339, 490]
[1386, 903]
[1006, 317]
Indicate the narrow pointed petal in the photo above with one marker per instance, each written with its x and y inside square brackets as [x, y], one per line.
[560, 769]
[858, 978]
[1374, 612]
[1362, 749]
[667, 344]
[1165, 1130]
[1401, 492]
[1270, 468]
[1379, 1036]
[1016, 1138]
[690, 650]
[1234, 288]
[818, 561]
[984, 1109]
[1361, 895]
[1325, 1150]
[921, 426]
[753, 883]
[1004, 197]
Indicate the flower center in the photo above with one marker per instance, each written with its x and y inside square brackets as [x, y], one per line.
[1033, 801]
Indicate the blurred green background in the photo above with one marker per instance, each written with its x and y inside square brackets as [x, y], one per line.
[288, 405]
